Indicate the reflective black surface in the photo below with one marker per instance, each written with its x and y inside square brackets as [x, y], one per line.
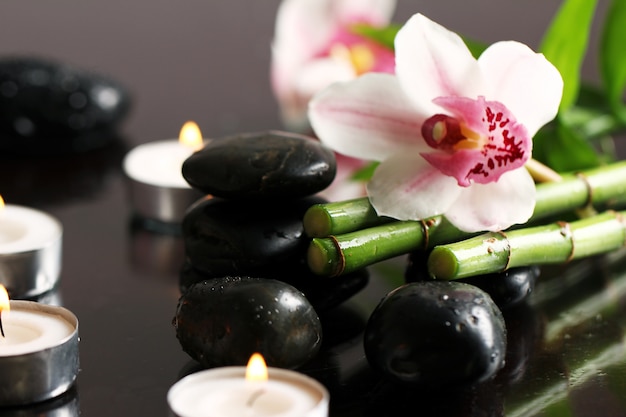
[566, 345]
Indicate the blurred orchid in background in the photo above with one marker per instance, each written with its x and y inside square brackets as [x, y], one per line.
[452, 132]
[318, 42]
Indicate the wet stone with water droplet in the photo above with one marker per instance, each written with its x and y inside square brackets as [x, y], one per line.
[436, 333]
[51, 107]
[323, 294]
[222, 321]
[264, 165]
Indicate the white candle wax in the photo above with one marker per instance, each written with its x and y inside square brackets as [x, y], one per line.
[23, 229]
[30, 327]
[224, 392]
[158, 163]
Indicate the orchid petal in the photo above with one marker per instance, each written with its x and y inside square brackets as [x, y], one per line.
[368, 118]
[406, 187]
[432, 61]
[321, 73]
[302, 29]
[311, 78]
[495, 206]
[525, 81]
[373, 12]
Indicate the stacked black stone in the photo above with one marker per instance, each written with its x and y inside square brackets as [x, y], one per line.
[245, 285]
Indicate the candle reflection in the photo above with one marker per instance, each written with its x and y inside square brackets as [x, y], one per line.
[66, 405]
[155, 249]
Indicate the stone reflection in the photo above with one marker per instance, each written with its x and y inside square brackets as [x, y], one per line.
[43, 181]
[156, 248]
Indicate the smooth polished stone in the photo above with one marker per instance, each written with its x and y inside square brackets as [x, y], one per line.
[228, 237]
[436, 333]
[269, 164]
[507, 288]
[323, 293]
[50, 107]
[223, 321]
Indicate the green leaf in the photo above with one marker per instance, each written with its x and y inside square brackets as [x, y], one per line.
[565, 44]
[384, 36]
[475, 47]
[591, 116]
[365, 173]
[612, 56]
[564, 149]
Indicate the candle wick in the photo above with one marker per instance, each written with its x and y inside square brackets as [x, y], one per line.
[255, 395]
[1, 328]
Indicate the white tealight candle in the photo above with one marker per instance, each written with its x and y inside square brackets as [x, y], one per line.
[158, 163]
[38, 352]
[28, 330]
[158, 188]
[225, 392]
[30, 250]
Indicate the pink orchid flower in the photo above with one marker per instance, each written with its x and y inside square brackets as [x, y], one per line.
[452, 132]
[314, 45]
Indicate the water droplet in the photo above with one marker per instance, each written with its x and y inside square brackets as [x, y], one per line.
[444, 297]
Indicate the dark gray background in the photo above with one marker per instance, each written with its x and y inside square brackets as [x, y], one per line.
[208, 60]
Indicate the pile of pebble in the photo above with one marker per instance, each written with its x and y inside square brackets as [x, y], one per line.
[246, 286]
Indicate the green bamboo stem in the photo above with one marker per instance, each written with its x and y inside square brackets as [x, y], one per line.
[541, 172]
[339, 247]
[604, 185]
[555, 243]
[338, 255]
[323, 220]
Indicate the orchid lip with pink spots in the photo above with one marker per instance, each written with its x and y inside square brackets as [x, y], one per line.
[452, 132]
